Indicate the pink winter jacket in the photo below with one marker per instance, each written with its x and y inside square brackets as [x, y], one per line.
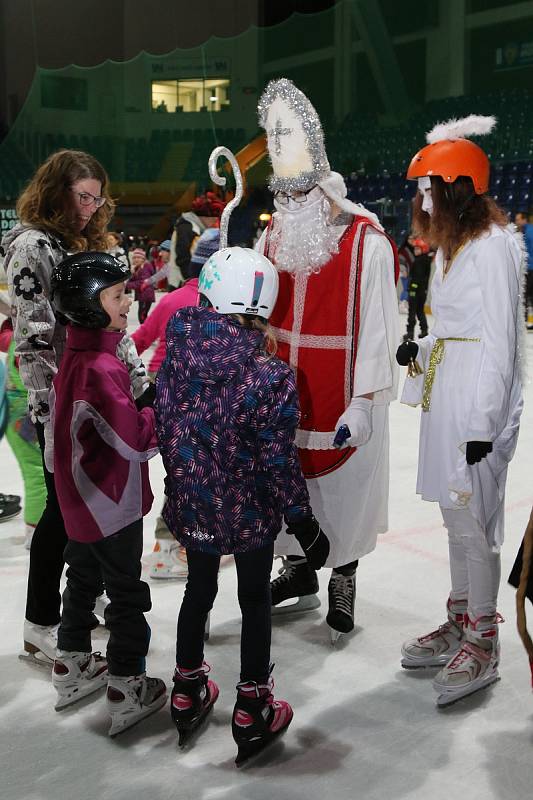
[102, 443]
[155, 324]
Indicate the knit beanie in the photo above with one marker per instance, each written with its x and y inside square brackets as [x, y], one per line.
[139, 252]
[207, 244]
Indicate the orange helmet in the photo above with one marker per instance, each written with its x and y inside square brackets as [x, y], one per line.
[450, 158]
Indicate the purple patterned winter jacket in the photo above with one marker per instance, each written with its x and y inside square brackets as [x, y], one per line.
[226, 414]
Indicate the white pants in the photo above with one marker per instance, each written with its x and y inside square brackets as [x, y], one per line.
[474, 568]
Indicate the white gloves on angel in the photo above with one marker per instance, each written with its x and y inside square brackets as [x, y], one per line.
[49, 446]
[358, 418]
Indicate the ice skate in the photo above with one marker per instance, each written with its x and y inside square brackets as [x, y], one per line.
[102, 602]
[170, 561]
[9, 506]
[193, 696]
[341, 596]
[474, 666]
[40, 644]
[28, 535]
[435, 649]
[130, 699]
[76, 675]
[297, 581]
[258, 720]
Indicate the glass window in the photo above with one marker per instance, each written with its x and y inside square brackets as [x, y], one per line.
[192, 94]
[164, 95]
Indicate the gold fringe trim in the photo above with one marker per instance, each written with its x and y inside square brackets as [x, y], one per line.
[436, 356]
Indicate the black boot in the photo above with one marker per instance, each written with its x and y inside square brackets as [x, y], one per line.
[341, 596]
[296, 580]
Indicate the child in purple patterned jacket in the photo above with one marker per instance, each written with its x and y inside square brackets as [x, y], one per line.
[226, 415]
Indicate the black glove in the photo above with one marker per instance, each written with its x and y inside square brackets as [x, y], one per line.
[312, 540]
[406, 352]
[475, 451]
[146, 398]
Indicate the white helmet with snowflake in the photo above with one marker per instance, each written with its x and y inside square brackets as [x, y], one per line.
[237, 280]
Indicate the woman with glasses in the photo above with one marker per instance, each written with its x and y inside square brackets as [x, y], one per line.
[65, 208]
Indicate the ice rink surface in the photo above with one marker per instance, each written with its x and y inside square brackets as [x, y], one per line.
[363, 727]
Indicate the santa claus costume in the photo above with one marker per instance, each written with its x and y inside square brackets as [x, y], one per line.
[470, 388]
[337, 325]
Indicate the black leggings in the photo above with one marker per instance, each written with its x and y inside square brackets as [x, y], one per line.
[253, 578]
[43, 599]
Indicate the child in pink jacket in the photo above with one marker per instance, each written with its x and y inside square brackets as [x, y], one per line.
[102, 444]
[155, 325]
[169, 558]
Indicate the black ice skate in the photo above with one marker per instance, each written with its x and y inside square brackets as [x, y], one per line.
[193, 696]
[258, 720]
[341, 596]
[297, 581]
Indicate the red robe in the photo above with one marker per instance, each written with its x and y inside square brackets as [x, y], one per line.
[316, 321]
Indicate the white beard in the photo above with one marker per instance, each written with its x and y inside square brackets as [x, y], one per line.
[303, 240]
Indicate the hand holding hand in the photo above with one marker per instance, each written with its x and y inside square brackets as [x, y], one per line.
[146, 399]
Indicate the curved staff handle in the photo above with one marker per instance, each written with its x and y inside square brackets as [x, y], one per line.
[221, 181]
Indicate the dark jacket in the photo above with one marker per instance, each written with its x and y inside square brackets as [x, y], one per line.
[419, 274]
[226, 415]
[145, 294]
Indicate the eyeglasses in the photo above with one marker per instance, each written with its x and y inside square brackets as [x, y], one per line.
[87, 199]
[296, 197]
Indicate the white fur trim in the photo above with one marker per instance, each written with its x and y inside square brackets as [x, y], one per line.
[474, 125]
[314, 440]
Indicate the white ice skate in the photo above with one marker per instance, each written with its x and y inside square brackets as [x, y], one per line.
[435, 649]
[40, 644]
[474, 666]
[76, 675]
[130, 699]
[169, 561]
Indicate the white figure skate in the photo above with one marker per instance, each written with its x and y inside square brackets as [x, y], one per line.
[40, 644]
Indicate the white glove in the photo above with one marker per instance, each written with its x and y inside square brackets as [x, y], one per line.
[358, 418]
[49, 446]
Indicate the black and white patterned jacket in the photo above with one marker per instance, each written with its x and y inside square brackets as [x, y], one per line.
[30, 257]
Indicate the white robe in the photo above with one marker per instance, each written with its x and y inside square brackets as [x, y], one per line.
[351, 503]
[477, 390]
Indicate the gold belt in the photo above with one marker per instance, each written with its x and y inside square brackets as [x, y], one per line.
[436, 356]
